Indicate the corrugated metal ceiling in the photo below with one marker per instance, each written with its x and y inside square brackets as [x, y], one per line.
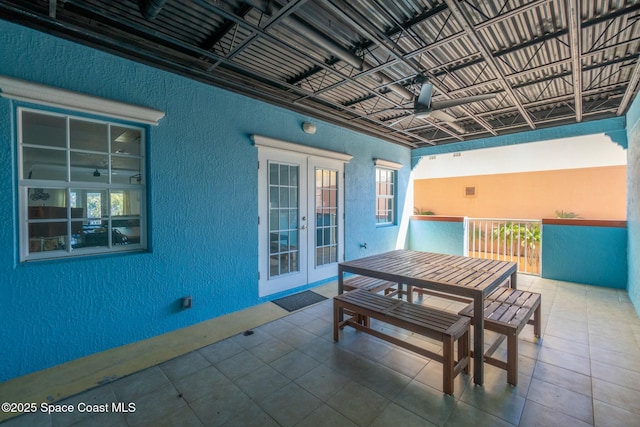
[356, 63]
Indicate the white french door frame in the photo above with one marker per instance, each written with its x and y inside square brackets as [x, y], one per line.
[308, 159]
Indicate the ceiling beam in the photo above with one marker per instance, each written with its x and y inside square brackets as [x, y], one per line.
[510, 14]
[130, 50]
[572, 8]
[223, 29]
[555, 35]
[393, 31]
[630, 91]
[481, 45]
[275, 19]
[52, 8]
[381, 39]
[291, 49]
[394, 50]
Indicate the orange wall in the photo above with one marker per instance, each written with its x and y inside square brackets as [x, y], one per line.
[596, 193]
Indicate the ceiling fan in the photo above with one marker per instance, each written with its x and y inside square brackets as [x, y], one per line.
[423, 105]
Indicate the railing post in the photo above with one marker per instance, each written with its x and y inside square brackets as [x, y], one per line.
[510, 238]
[465, 247]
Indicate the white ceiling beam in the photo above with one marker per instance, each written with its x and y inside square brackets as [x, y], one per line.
[484, 50]
[573, 16]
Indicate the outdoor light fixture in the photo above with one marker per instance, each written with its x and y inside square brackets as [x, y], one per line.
[309, 128]
[96, 173]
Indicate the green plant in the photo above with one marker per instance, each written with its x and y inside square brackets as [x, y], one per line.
[563, 214]
[418, 211]
[528, 235]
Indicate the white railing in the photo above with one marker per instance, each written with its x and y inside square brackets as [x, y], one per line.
[515, 240]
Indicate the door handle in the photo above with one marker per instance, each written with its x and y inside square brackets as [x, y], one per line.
[304, 227]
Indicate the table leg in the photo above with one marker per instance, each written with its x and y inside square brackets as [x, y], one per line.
[478, 340]
[340, 313]
[514, 283]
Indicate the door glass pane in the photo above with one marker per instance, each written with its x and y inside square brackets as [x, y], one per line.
[283, 219]
[284, 175]
[274, 176]
[326, 211]
[284, 197]
[125, 203]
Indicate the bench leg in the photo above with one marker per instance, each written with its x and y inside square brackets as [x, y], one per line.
[464, 350]
[336, 320]
[512, 358]
[363, 320]
[536, 322]
[447, 365]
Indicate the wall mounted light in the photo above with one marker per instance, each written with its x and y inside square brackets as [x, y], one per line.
[309, 128]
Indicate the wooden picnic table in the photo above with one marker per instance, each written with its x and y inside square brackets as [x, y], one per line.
[461, 276]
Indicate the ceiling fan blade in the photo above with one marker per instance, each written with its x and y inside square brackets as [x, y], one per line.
[447, 103]
[442, 116]
[424, 99]
[448, 119]
[422, 114]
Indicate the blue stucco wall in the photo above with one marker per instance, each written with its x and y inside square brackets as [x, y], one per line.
[633, 201]
[445, 237]
[202, 200]
[585, 254]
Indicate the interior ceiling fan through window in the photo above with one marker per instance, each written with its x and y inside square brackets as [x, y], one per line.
[424, 106]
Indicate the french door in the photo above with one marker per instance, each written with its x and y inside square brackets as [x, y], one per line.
[301, 232]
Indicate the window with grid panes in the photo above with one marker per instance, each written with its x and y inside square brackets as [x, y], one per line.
[81, 186]
[385, 196]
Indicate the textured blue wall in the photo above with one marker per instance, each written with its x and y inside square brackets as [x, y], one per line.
[585, 254]
[203, 209]
[445, 237]
[633, 201]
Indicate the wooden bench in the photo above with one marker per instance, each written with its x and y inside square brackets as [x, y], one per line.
[370, 284]
[436, 324]
[507, 311]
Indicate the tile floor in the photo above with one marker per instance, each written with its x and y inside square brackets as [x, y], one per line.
[585, 371]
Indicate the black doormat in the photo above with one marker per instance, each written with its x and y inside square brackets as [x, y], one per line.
[297, 301]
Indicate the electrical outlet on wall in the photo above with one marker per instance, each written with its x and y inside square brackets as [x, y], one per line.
[186, 302]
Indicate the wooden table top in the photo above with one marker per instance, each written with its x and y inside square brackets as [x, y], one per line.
[448, 273]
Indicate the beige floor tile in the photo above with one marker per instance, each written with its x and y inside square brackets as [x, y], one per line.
[561, 399]
[358, 403]
[290, 372]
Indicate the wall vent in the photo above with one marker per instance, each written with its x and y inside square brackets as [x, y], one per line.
[470, 191]
[457, 154]
[432, 157]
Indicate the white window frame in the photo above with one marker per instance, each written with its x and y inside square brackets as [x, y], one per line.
[104, 111]
[391, 169]
[69, 186]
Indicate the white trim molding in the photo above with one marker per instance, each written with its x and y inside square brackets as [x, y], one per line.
[266, 142]
[22, 90]
[387, 164]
